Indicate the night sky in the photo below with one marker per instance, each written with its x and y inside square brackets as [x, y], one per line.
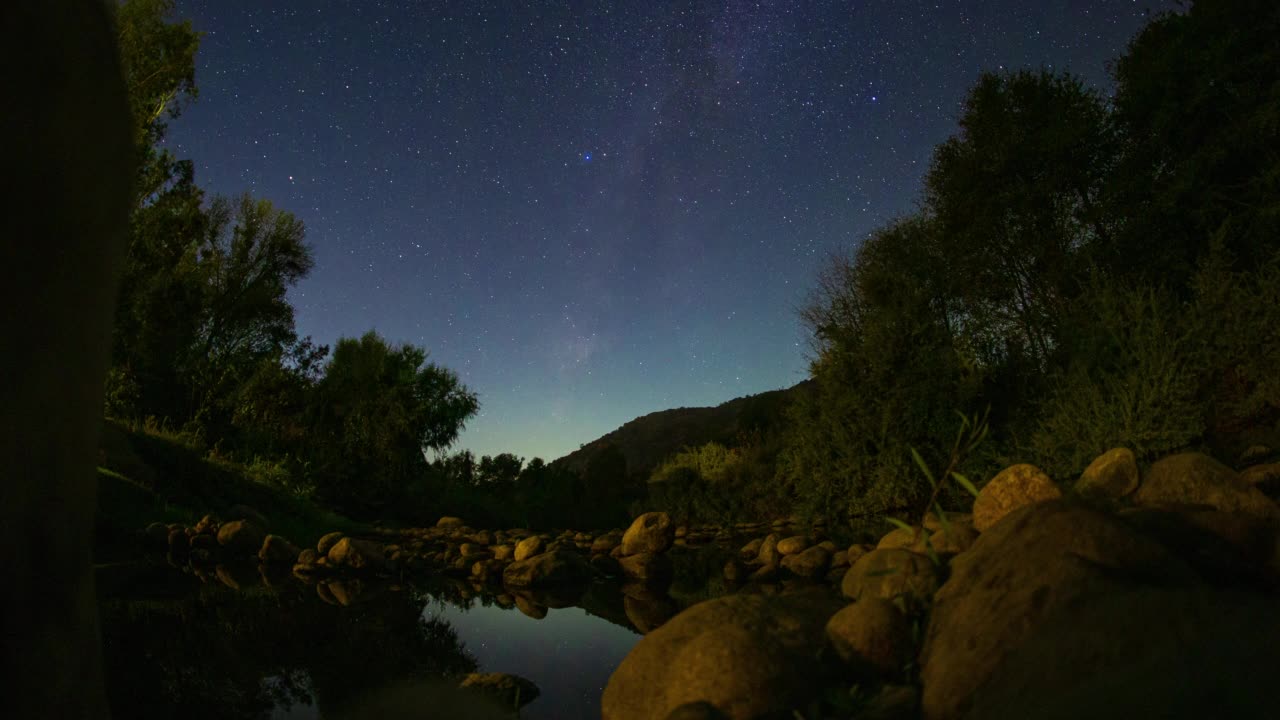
[592, 211]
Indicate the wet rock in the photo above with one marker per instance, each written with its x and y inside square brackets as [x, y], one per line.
[559, 567]
[1014, 487]
[872, 636]
[355, 554]
[606, 564]
[1195, 478]
[326, 542]
[511, 691]
[242, 537]
[1039, 559]
[652, 532]
[1113, 474]
[647, 610]
[749, 656]
[528, 547]
[889, 574]
[276, 550]
[526, 605]
[794, 544]
[810, 564]
[647, 567]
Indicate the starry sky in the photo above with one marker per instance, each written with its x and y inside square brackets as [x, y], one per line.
[596, 210]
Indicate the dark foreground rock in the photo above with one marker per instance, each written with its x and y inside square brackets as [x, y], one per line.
[746, 655]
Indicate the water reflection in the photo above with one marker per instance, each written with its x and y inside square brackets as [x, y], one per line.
[227, 642]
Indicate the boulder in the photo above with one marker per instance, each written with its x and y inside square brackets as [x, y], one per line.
[840, 559]
[307, 557]
[559, 567]
[276, 550]
[450, 523]
[1113, 474]
[955, 538]
[1226, 549]
[889, 574]
[769, 554]
[206, 525]
[204, 541]
[810, 564]
[793, 544]
[734, 570]
[243, 537]
[1149, 652]
[606, 564]
[645, 609]
[933, 523]
[872, 636]
[529, 607]
[1197, 479]
[244, 512]
[647, 567]
[1265, 478]
[1011, 488]
[157, 533]
[604, 544]
[528, 547]
[652, 532]
[696, 711]
[751, 550]
[749, 656]
[503, 552]
[1040, 558]
[356, 554]
[511, 691]
[327, 541]
[901, 538]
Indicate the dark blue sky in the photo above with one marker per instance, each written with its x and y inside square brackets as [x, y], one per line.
[592, 211]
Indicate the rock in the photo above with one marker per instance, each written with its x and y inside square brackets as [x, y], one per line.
[889, 574]
[357, 554]
[157, 534]
[1039, 559]
[450, 522]
[647, 567]
[511, 691]
[1255, 454]
[469, 550]
[1113, 474]
[956, 538]
[810, 564]
[751, 550]
[901, 538]
[327, 541]
[764, 574]
[503, 552]
[206, 525]
[604, 544]
[856, 551]
[1147, 652]
[205, 542]
[696, 711]
[872, 635]
[1226, 549]
[530, 608]
[840, 559]
[769, 554]
[276, 550]
[1265, 478]
[560, 567]
[1011, 488]
[243, 537]
[606, 564]
[307, 557]
[528, 547]
[933, 523]
[894, 702]
[1195, 478]
[793, 544]
[749, 656]
[652, 532]
[346, 592]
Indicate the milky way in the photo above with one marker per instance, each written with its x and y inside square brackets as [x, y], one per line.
[592, 211]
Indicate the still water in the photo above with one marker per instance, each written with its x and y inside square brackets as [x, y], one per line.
[232, 644]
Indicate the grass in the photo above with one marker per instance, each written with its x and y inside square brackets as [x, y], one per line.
[146, 476]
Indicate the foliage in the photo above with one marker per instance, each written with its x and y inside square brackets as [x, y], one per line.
[375, 414]
[716, 484]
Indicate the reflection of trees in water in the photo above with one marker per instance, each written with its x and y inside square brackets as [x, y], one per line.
[216, 652]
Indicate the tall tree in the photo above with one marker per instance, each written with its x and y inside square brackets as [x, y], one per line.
[376, 412]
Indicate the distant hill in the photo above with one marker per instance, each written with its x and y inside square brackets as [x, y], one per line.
[648, 440]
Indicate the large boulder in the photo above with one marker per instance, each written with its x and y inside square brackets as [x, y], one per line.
[242, 537]
[1010, 489]
[794, 544]
[1113, 474]
[889, 574]
[558, 567]
[1173, 653]
[1265, 477]
[768, 553]
[1039, 559]
[528, 547]
[872, 636]
[652, 532]
[809, 564]
[356, 554]
[750, 656]
[327, 541]
[1197, 479]
[450, 523]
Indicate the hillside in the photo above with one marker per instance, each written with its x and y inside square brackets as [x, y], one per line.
[648, 440]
